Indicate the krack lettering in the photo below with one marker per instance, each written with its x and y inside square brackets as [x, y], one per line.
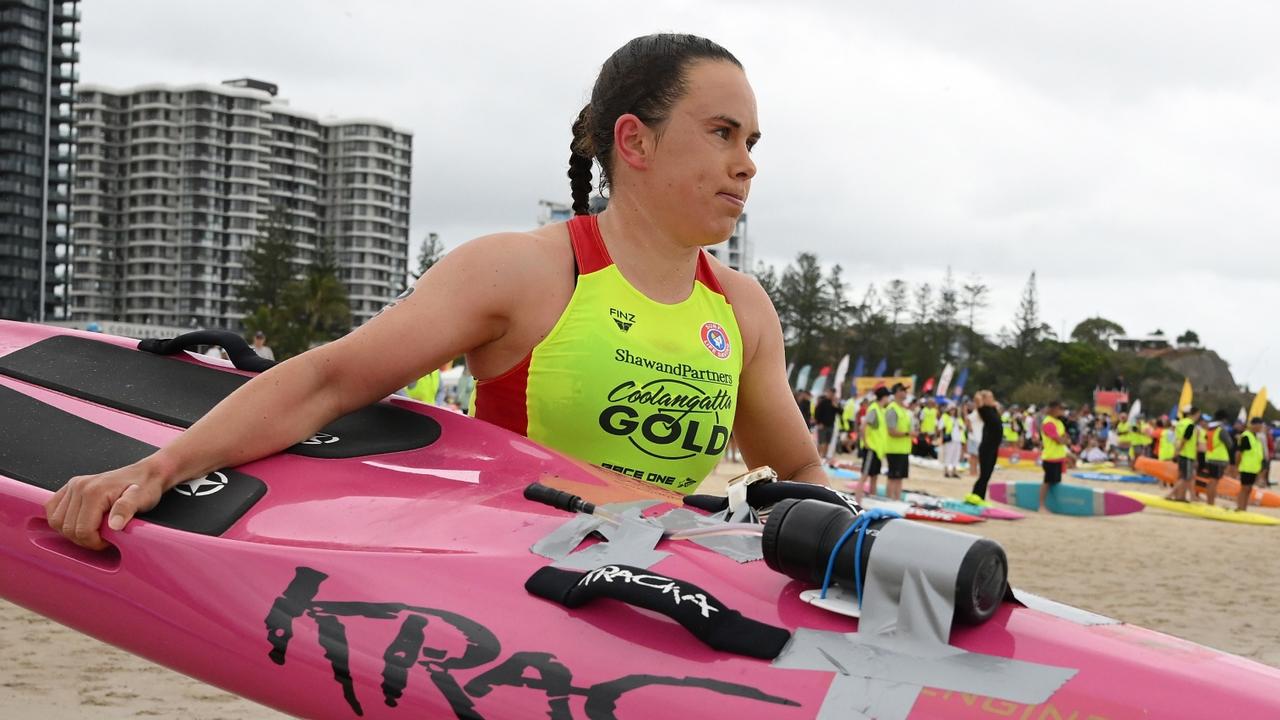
[683, 370]
[416, 644]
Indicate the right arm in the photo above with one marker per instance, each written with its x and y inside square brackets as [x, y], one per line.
[462, 303]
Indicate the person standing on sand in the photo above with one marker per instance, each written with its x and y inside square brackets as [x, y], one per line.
[953, 441]
[1184, 448]
[874, 436]
[1053, 438]
[989, 446]
[1219, 449]
[1250, 452]
[897, 447]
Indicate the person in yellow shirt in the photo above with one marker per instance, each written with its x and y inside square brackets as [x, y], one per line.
[897, 441]
[1251, 451]
[1186, 438]
[1054, 440]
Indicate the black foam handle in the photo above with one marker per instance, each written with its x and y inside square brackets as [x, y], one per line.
[698, 611]
[238, 351]
[558, 499]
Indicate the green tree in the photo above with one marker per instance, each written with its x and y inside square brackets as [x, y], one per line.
[895, 298]
[1096, 331]
[317, 305]
[1189, 338]
[269, 268]
[430, 253]
[813, 309]
[972, 300]
[269, 264]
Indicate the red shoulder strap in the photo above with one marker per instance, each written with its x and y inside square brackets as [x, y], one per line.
[707, 276]
[588, 245]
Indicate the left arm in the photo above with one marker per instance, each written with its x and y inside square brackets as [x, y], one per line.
[769, 428]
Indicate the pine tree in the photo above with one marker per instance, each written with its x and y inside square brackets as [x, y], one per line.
[429, 254]
[269, 268]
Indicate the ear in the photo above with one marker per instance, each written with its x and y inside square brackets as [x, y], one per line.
[633, 141]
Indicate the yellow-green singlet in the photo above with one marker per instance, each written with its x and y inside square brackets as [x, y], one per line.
[624, 382]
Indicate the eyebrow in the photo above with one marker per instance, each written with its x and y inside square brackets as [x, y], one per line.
[735, 124]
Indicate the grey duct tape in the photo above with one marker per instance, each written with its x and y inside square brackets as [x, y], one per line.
[903, 635]
[909, 593]
[1057, 609]
[853, 656]
[631, 543]
[742, 548]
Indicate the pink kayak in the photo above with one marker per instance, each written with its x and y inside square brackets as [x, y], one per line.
[329, 582]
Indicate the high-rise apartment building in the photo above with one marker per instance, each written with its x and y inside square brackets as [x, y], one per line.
[38, 59]
[175, 183]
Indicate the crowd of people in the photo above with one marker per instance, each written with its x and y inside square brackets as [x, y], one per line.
[886, 427]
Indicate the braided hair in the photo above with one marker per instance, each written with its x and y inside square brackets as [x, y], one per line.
[645, 77]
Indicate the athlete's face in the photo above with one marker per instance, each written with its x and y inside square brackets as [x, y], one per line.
[702, 166]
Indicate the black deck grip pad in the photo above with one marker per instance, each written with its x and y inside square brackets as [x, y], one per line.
[179, 393]
[698, 611]
[43, 446]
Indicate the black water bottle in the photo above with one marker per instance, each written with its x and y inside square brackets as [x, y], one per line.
[800, 535]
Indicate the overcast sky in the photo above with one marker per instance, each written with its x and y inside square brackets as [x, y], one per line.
[1129, 153]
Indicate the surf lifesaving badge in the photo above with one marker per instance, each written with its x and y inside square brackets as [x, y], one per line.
[716, 339]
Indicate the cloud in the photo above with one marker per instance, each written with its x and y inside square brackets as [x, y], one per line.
[1127, 152]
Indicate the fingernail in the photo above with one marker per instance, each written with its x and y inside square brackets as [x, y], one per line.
[116, 522]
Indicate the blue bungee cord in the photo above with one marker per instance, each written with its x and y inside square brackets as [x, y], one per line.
[859, 526]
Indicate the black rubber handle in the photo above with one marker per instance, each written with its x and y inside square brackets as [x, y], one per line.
[557, 499]
[763, 495]
[695, 609]
[239, 352]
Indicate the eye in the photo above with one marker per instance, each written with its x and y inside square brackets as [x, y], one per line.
[723, 132]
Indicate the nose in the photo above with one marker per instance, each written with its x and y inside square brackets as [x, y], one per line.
[744, 166]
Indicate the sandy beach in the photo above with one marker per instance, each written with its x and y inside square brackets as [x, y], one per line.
[1214, 583]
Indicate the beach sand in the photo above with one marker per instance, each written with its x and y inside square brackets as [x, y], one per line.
[1214, 583]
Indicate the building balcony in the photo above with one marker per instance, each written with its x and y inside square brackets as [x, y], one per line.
[66, 11]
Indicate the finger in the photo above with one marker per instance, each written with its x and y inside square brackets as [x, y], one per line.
[88, 522]
[128, 505]
[70, 513]
[56, 508]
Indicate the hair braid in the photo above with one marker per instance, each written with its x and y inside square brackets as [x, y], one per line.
[580, 154]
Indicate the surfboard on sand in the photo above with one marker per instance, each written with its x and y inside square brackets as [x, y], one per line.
[1064, 499]
[1211, 512]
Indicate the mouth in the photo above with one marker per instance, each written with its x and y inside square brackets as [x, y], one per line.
[733, 198]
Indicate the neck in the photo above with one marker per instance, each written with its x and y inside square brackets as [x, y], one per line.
[649, 255]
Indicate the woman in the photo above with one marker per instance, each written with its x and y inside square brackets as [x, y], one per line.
[974, 433]
[953, 440]
[613, 338]
[989, 446]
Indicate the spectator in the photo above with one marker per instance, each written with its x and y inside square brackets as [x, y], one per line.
[260, 346]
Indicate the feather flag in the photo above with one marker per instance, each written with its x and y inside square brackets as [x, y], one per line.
[1185, 398]
[859, 367]
[842, 369]
[944, 382]
[820, 382]
[802, 380]
[884, 364]
[958, 390]
[1259, 405]
[791, 367]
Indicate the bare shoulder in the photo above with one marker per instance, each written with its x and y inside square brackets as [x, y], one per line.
[750, 301]
[529, 251]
